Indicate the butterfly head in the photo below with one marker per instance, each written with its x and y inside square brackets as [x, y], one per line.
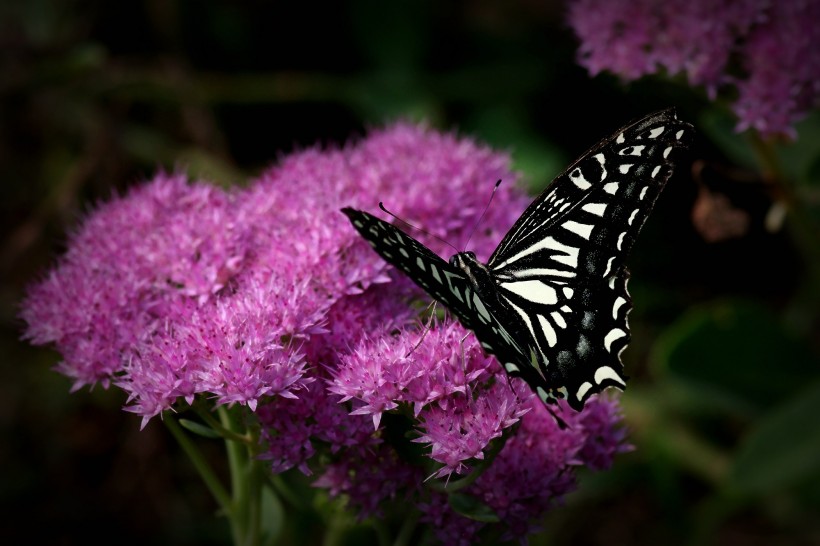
[464, 260]
[474, 270]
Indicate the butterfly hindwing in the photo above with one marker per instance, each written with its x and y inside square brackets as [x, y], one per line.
[552, 302]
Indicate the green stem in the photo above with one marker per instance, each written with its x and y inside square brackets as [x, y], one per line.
[245, 492]
[801, 226]
[279, 485]
[335, 529]
[205, 471]
[407, 529]
[226, 433]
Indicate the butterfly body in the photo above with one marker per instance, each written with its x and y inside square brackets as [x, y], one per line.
[551, 302]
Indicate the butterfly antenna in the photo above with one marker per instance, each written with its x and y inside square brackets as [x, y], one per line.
[408, 224]
[480, 218]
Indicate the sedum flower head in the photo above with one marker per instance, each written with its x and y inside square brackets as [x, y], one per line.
[765, 50]
[266, 297]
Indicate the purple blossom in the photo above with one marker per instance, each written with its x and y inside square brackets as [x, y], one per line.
[460, 396]
[266, 297]
[778, 79]
[370, 477]
[533, 471]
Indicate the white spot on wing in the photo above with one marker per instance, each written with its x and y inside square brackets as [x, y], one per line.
[623, 169]
[456, 293]
[655, 171]
[666, 152]
[558, 319]
[549, 331]
[619, 302]
[578, 179]
[583, 390]
[568, 256]
[511, 368]
[540, 272]
[679, 134]
[620, 139]
[403, 252]
[656, 132]
[632, 216]
[568, 292]
[611, 188]
[479, 306]
[582, 230]
[420, 263]
[608, 266]
[533, 290]
[595, 208]
[434, 271]
[526, 318]
[633, 150]
[611, 337]
[643, 193]
[606, 372]
[620, 240]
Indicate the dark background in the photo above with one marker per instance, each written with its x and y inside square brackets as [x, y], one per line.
[96, 96]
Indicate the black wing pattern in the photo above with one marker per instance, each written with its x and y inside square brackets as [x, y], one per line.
[446, 283]
[552, 302]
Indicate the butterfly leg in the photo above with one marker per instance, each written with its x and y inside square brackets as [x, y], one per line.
[427, 327]
[561, 423]
[467, 391]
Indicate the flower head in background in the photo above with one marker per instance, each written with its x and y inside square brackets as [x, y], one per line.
[767, 51]
[267, 298]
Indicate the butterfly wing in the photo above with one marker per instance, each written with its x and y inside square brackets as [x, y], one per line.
[438, 278]
[561, 268]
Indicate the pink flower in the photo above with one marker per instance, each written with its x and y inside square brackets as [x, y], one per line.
[266, 297]
[775, 43]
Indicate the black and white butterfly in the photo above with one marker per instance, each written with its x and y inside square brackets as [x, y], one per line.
[551, 303]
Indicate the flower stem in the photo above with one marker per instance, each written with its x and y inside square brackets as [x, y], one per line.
[205, 471]
[246, 483]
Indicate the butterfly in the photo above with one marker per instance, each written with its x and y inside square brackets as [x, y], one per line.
[552, 302]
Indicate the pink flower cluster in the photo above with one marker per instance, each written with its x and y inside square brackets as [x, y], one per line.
[267, 297]
[777, 74]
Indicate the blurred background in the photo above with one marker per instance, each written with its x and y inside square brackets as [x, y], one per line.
[97, 96]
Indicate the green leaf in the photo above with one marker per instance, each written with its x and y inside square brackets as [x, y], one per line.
[719, 127]
[799, 158]
[735, 350]
[470, 507]
[782, 450]
[539, 160]
[198, 428]
[273, 515]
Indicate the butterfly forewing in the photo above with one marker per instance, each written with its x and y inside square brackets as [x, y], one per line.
[552, 301]
[441, 280]
[561, 266]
